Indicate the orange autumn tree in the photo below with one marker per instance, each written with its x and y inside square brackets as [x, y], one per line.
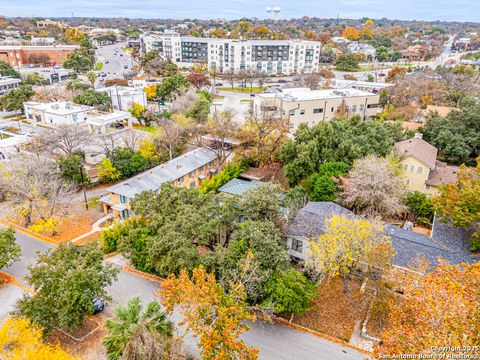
[20, 339]
[216, 317]
[439, 308]
[351, 33]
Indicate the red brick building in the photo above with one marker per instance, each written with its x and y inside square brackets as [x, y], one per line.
[18, 55]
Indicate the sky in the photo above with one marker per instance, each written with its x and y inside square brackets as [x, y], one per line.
[447, 10]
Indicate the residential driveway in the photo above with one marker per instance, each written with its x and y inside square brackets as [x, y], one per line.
[8, 298]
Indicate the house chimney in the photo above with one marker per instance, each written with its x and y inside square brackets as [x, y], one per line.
[418, 135]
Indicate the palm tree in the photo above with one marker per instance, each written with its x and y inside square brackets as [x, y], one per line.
[131, 320]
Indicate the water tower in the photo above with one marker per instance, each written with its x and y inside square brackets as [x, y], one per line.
[276, 12]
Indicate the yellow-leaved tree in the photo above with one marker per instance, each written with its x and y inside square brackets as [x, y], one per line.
[20, 340]
[346, 241]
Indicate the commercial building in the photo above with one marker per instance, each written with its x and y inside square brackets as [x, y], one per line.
[270, 56]
[373, 87]
[67, 113]
[421, 169]
[8, 83]
[123, 97]
[187, 170]
[305, 106]
[19, 55]
[11, 144]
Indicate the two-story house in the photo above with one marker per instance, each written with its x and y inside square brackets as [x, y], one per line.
[187, 170]
[421, 169]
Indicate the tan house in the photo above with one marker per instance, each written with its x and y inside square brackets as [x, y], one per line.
[187, 170]
[422, 171]
[305, 106]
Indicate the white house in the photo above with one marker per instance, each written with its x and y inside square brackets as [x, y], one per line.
[67, 113]
[8, 83]
[362, 49]
[56, 113]
[123, 97]
[11, 143]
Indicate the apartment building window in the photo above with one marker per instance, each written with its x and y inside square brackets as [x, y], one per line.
[407, 181]
[193, 184]
[180, 180]
[333, 109]
[405, 167]
[412, 168]
[362, 107]
[290, 125]
[200, 169]
[354, 108]
[317, 111]
[297, 245]
[292, 112]
[419, 170]
[302, 112]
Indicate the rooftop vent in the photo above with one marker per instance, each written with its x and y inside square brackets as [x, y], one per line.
[418, 135]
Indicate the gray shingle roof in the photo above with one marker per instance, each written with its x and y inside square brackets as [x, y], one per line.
[311, 221]
[171, 170]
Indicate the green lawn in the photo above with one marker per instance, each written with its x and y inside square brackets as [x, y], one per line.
[246, 100]
[255, 89]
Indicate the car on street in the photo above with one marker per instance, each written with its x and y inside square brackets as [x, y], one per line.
[31, 66]
[282, 81]
[125, 66]
[107, 61]
[121, 54]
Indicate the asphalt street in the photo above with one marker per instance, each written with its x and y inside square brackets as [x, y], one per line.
[117, 60]
[274, 341]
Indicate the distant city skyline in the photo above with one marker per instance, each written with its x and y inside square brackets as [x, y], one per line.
[426, 10]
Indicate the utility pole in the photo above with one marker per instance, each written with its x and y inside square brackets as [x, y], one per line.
[83, 186]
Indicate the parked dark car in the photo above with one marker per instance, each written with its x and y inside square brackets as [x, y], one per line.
[98, 305]
[282, 81]
[218, 84]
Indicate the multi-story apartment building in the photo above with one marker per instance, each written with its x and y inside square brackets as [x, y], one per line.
[305, 106]
[187, 170]
[18, 55]
[271, 56]
[421, 169]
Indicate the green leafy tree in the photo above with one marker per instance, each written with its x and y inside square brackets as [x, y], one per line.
[458, 134]
[257, 246]
[128, 162]
[228, 173]
[419, 205]
[289, 292]
[347, 62]
[14, 99]
[172, 86]
[65, 281]
[34, 79]
[336, 140]
[261, 203]
[7, 70]
[79, 61]
[91, 97]
[9, 250]
[129, 322]
[324, 183]
[72, 169]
